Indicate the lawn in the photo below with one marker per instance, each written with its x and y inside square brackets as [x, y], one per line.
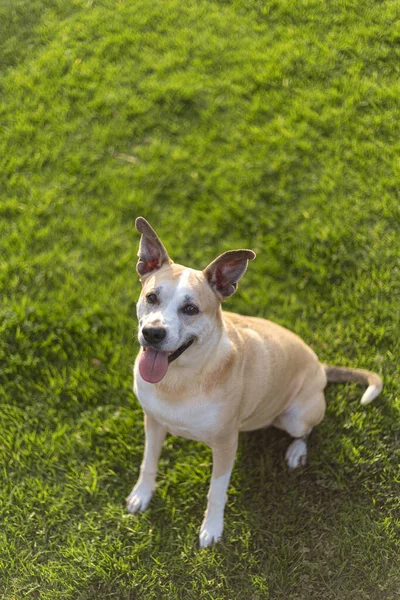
[268, 125]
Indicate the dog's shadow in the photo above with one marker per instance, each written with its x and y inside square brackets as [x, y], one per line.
[267, 484]
[331, 493]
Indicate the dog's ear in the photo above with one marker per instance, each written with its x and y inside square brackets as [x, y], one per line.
[152, 254]
[225, 271]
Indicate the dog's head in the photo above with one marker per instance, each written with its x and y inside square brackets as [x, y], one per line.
[178, 306]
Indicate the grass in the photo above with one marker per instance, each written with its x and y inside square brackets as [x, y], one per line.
[273, 126]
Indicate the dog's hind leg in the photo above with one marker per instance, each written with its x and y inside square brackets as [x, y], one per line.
[298, 420]
[296, 454]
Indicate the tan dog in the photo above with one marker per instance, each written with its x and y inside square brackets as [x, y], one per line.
[206, 374]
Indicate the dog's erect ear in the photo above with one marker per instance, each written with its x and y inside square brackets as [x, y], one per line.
[152, 254]
[225, 271]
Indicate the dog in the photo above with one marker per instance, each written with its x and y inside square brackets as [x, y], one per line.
[206, 374]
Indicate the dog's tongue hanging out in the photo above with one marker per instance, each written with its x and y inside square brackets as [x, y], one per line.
[153, 365]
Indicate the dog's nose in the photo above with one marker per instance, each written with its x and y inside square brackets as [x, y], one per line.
[154, 335]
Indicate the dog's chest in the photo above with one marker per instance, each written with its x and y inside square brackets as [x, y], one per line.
[195, 418]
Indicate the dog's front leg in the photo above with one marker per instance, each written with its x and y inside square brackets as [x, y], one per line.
[223, 458]
[141, 494]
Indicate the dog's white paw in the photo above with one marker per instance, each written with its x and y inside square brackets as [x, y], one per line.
[139, 498]
[296, 454]
[210, 532]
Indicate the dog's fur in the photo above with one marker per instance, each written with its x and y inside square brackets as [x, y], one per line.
[240, 373]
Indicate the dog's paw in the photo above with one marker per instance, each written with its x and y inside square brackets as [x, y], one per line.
[139, 498]
[210, 532]
[296, 454]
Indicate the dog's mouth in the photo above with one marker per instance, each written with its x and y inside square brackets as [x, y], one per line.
[153, 364]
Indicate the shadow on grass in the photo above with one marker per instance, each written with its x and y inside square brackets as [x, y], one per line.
[320, 526]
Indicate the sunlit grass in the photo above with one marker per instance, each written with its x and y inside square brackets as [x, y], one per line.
[273, 126]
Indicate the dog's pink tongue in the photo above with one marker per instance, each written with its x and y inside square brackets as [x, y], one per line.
[153, 365]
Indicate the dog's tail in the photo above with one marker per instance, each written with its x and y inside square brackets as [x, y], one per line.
[342, 375]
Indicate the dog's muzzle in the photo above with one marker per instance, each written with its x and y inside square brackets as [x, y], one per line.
[154, 363]
[180, 350]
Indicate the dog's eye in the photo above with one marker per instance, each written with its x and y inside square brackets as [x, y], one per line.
[151, 298]
[190, 309]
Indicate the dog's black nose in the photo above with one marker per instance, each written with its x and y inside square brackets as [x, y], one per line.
[154, 335]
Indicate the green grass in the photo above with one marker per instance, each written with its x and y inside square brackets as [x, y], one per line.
[268, 125]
